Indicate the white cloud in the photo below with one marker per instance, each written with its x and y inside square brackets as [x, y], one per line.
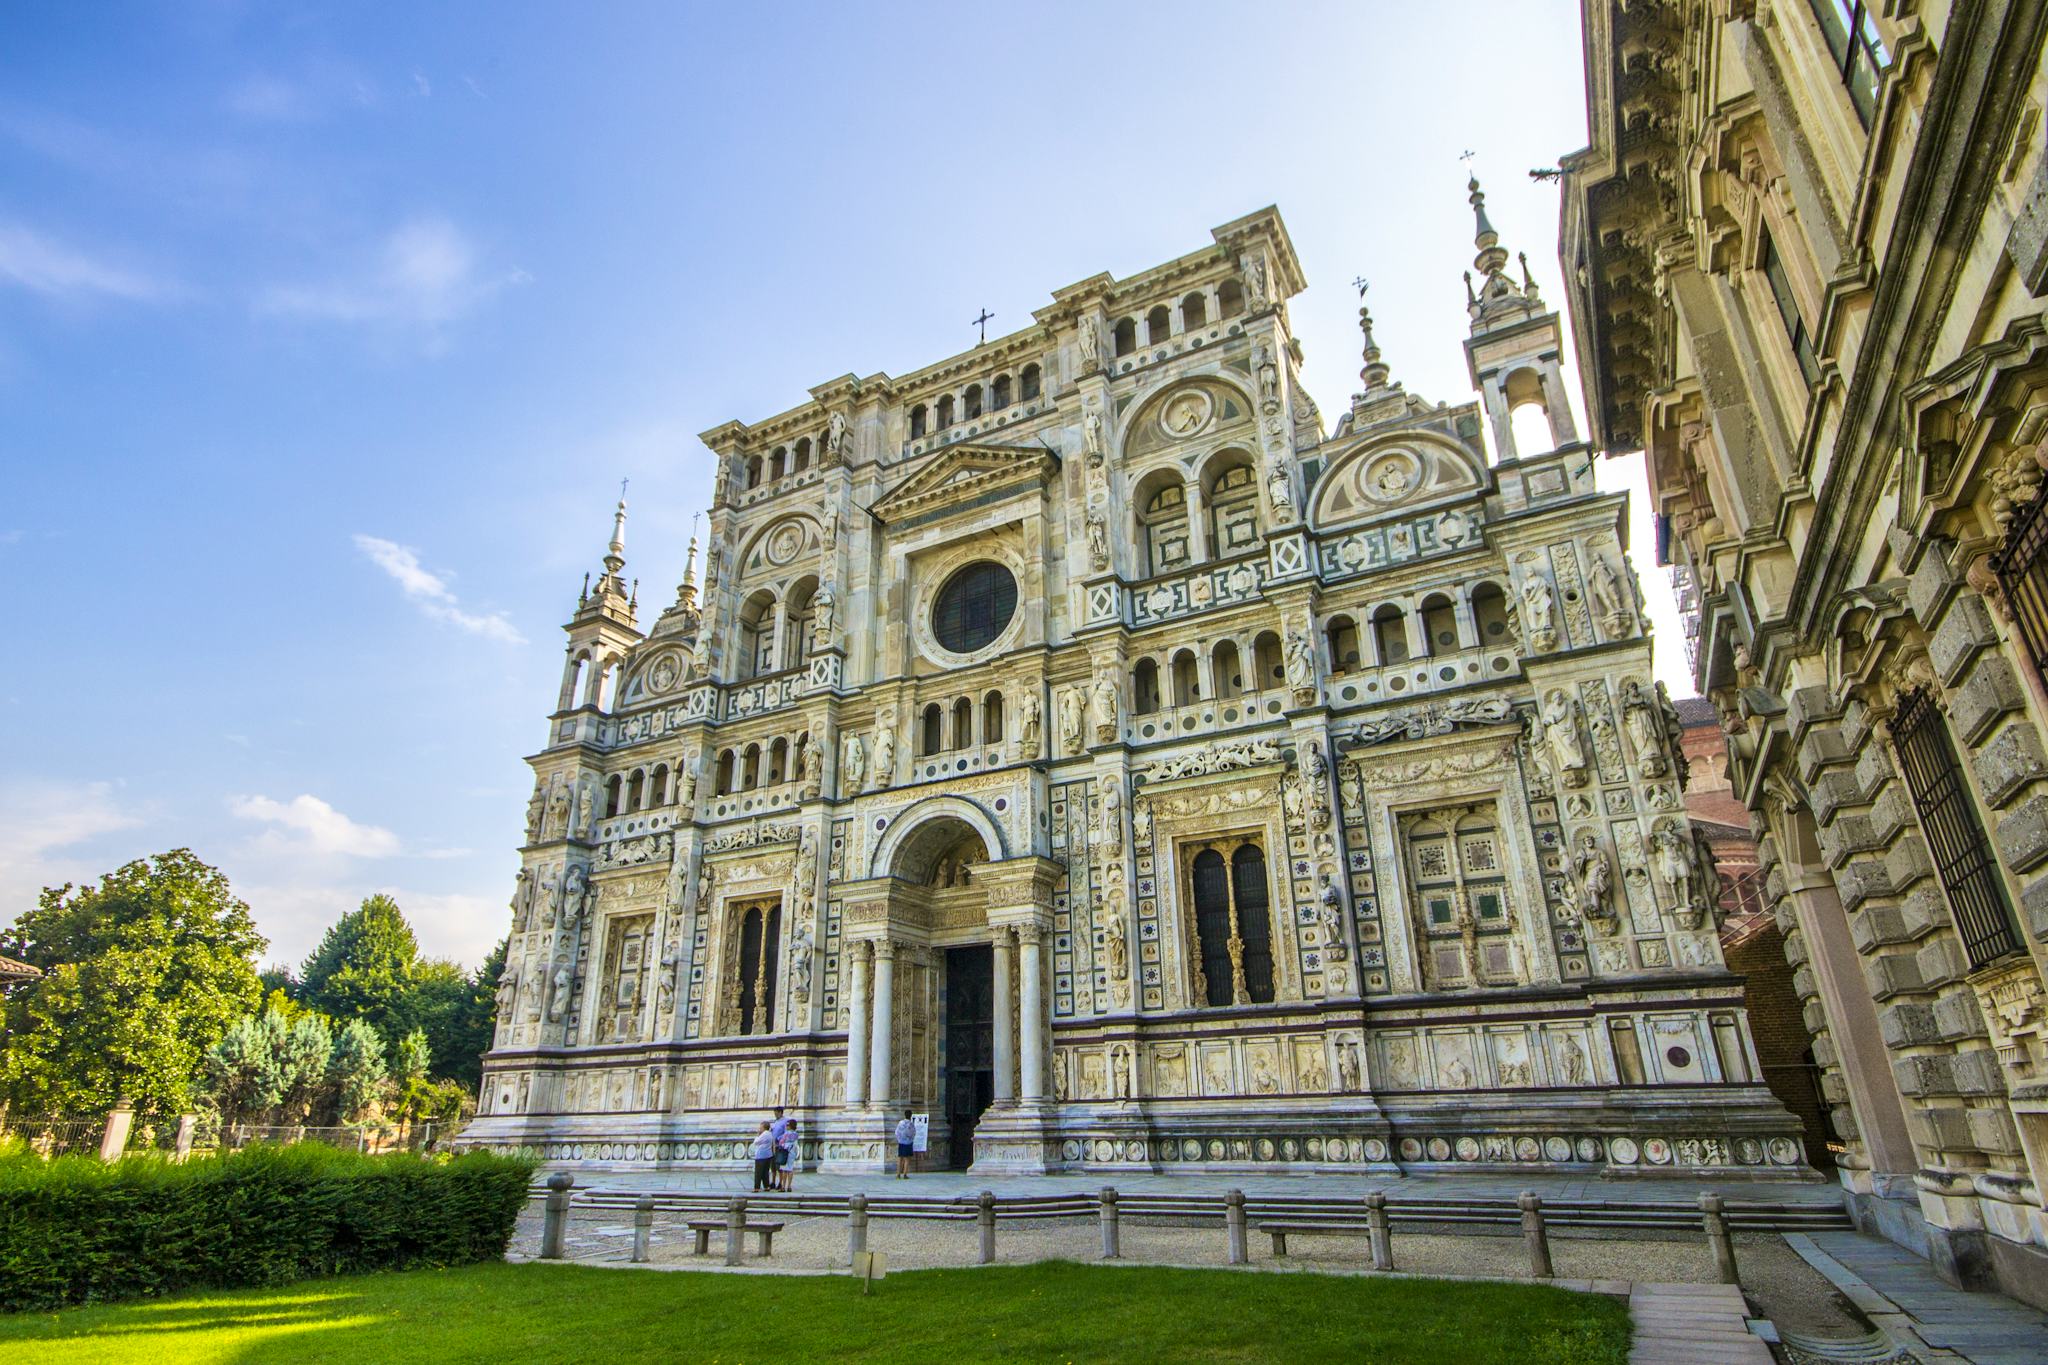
[35, 263]
[422, 85]
[40, 820]
[425, 274]
[307, 823]
[430, 593]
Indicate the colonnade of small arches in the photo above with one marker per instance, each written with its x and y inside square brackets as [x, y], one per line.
[1184, 517]
[782, 462]
[591, 680]
[975, 401]
[758, 763]
[774, 629]
[1436, 622]
[962, 724]
[643, 788]
[1162, 322]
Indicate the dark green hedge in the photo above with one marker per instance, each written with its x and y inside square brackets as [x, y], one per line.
[75, 1230]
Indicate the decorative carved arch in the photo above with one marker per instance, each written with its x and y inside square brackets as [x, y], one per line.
[903, 832]
[1396, 474]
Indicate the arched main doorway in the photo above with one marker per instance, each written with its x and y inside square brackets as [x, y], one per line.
[941, 857]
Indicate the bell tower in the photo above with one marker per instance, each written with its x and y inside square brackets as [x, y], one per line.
[1515, 344]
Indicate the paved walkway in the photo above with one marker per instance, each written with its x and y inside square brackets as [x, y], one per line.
[1692, 1324]
[1901, 1295]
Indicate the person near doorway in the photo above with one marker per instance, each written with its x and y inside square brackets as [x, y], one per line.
[763, 1152]
[906, 1144]
[785, 1157]
[779, 1125]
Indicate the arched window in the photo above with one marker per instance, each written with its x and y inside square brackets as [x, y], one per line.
[1158, 325]
[750, 1004]
[1254, 923]
[750, 768]
[778, 760]
[608, 685]
[753, 471]
[918, 416]
[1490, 614]
[999, 393]
[1187, 680]
[614, 796]
[798, 619]
[1126, 336]
[1342, 634]
[1528, 415]
[1194, 312]
[1229, 299]
[970, 407]
[658, 793]
[802, 460]
[933, 737]
[1226, 670]
[1228, 895]
[778, 464]
[1439, 624]
[1145, 687]
[757, 636]
[1266, 661]
[945, 412]
[963, 722]
[1209, 879]
[726, 765]
[1389, 635]
[992, 718]
[1163, 521]
[1031, 379]
[636, 791]
[576, 681]
[1232, 494]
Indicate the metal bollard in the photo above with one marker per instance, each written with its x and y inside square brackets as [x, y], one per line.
[1534, 1235]
[1718, 1238]
[985, 1215]
[555, 1217]
[1112, 1245]
[643, 1228]
[1378, 1236]
[735, 1220]
[856, 1226]
[1233, 1222]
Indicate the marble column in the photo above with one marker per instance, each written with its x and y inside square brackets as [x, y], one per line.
[1005, 1063]
[883, 1031]
[857, 1028]
[1031, 1010]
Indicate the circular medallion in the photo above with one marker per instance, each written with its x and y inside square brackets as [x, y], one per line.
[1749, 1152]
[663, 675]
[1677, 1056]
[1411, 1150]
[1589, 1149]
[1468, 1149]
[1623, 1151]
[785, 542]
[1070, 1150]
[1439, 1150]
[1657, 1151]
[1186, 413]
[1527, 1149]
[1392, 476]
[1265, 1149]
[1784, 1151]
[1289, 1149]
[1375, 1150]
[1215, 1149]
[1556, 1149]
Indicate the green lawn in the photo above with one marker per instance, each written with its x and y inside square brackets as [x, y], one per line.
[1057, 1311]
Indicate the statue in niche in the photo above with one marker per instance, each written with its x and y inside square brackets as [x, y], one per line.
[1105, 707]
[1593, 876]
[558, 994]
[1255, 281]
[1301, 661]
[1116, 946]
[1112, 835]
[1091, 345]
[508, 991]
[835, 437]
[558, 806]
[1354, 787]
[1120, 1071]
[1141, 820]
[828, 533]
[1264, 1079]
[1071, 704]
[806, 755]
[1091, 437]
[587, 810]
[1291, 802]
[1706, 876]
[1280, 489]
[885, 750]
[852, 765]
[1269, 379]
[1539, 611]
[1030, 725]
[714, 564]
[1314, 1074]
[1571, 1060]
[576, 896]
[665, 987]
[1671, 852]
[1349, 1074]
[1561, 732]
[1605, 585]
[548, 897]
[823, 607]
[801, 948]
[1314, 766]
[807, 869]
[1098, 539]
[1645, 729]
[1330, 914]
[522, 899]
[536, 811]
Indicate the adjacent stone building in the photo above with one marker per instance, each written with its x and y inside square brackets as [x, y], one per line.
[1081, 743]
[1807, 252]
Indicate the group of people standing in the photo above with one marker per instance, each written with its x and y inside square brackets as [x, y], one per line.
[774, 1153]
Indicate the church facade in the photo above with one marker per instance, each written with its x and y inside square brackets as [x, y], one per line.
[1079, 743]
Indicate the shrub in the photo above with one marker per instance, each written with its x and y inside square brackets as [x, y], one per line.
[76, 1230]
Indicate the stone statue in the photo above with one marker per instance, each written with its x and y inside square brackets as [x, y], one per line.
[522, 899]
[1571, 1060]
[1706, 876]
[822, 607]
[1671, 852]
[885, 750]
[835, 437]
[1645, 729]
[1280, 489]
[1098, 539]
[828, 532]
[1605, 585]
[1539, 609]
[1291, 802]
[1141, 820]
[587, 812]
[1561, 732]
[1091, 344]
[1091, 436]
[558, 806]
[1113, 812]
[576, 896]
[806, 755]
[1105, 707]
[852, 766]
[1255, 281]
[1269, 378]
[1116, 947]
[508, 991]
[558, 994]
[536, 811]
[1314, 766]
[807, 868]
[1330, 914]
[1120, 1071]
[1594, 878]
[801, 949]
[1071, 704]
[707, 883]
[1031, 726]
[1674, 733]
[1348, 1077]
[1301, 661]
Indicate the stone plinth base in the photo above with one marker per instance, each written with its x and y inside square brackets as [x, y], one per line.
[1015, 1139]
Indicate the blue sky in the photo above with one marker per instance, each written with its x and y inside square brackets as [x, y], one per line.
[327, 334]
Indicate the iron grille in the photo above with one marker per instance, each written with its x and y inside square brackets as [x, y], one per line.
[2022, 569]
[1955, 836]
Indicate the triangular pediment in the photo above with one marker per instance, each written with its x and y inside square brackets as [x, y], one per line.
[962, 473]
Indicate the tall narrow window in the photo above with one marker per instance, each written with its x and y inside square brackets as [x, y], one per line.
[750, 967]
[1029, 388]
[1229, 921]
[1788, 310]
[2022, 569]
[1955, 834]
[1859, 53]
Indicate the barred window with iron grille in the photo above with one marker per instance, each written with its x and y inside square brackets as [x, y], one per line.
[1955, 834]
[2022, 569]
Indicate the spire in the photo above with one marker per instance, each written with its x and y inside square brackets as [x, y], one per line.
[615, 555]
[688, 591]
[1376, 371]
[610, 595]
[1492, 256]
[1496, 300]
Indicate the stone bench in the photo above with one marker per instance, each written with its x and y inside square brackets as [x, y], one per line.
[1278, 1231]
[705, 1227]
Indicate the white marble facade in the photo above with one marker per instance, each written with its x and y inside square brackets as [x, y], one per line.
[1078, 740]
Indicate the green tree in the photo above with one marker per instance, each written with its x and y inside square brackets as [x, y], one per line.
[143, 974]
[409, 1063]
[364, 969]
[459, 1050]
[355, 1071]
[303, 1051]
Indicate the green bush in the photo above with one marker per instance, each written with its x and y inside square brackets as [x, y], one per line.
[76, 1230]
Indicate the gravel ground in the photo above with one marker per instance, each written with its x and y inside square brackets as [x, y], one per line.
[1778, 1282]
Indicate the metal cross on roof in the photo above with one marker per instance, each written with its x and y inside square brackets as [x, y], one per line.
[982, 322]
